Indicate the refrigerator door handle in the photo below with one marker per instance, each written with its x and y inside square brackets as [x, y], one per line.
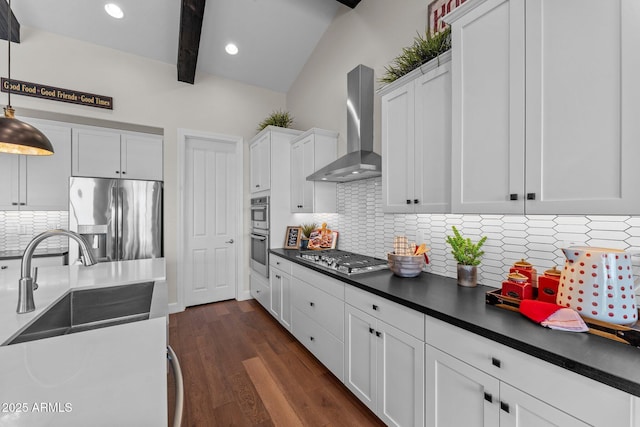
[112, 248]
[119, 224]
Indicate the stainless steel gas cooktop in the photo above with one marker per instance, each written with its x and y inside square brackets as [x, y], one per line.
[343, 261]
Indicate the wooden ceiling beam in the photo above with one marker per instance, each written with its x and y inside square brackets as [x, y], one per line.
[191, 16]
[351, 3]
[4, 27]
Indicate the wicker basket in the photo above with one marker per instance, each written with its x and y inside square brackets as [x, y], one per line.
[405, 265]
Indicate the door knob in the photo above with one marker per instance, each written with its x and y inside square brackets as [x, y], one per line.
[229, 241]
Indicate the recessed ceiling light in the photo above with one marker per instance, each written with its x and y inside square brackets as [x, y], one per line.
[114, 10]
[231, 49]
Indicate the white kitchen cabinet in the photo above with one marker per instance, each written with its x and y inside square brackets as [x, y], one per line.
[38, 183]
[460, 395]
[500, 383]
[10, 269]
[260, 291]
[539, 126]
[318, 316]
[384, 366]
[280, 287]
[260, 159]
[311, 151]
[107, 153]
[416, 141]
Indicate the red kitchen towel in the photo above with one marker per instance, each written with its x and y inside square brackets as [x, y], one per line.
[538, 311]
[553, 316]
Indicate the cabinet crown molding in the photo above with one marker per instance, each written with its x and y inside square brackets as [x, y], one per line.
[461, 11]
[422, 70]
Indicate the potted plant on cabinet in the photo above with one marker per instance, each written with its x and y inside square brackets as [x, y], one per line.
[468, 255]
[307, 229]
[278, 118]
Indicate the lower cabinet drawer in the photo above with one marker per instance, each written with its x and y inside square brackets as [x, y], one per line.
[260, 290]
[319, 306]
[403, 318]
[327, 348]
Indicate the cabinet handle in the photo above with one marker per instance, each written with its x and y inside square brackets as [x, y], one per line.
[257, 291]
[278, 277]
[311, 303]
[277, 262]
[531, 196]
[496, 362]
[117, 171]
[504, 407]
[375, 307]
[378, 334]
[408, 201]
[371, 330]
[312, 338]
[14, 203]
[257, 185]
[513, 196]
[416, 201]
[488, 397]
[23, 203]
[123, 172]
[4, 267]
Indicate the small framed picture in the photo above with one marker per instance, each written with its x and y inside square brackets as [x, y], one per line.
[292, 237]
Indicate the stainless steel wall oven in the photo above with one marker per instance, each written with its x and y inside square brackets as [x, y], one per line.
[260, 235]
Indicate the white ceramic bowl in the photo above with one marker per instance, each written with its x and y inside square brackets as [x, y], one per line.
[405, 265]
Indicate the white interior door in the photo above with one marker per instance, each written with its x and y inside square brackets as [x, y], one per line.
[210, 257]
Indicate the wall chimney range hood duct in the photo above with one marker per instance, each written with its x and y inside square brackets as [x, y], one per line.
[360, 162]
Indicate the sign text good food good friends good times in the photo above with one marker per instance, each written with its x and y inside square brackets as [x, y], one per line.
[57, 94]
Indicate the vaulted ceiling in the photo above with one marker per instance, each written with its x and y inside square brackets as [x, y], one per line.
[275, 37]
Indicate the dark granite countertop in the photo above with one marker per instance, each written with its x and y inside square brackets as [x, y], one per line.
[17, 254]
[612, 363]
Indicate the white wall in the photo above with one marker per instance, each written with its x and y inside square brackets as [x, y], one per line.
[144, 92]
[372, 34]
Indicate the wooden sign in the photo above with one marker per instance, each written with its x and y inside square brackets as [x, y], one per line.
[292, 237]
[37, 90]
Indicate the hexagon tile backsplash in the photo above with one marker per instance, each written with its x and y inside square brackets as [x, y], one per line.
[364, 228]
[17, 228]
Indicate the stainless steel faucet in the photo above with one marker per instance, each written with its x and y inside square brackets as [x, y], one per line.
[26, 285]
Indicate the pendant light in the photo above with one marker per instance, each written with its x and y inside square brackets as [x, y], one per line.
[18, 137]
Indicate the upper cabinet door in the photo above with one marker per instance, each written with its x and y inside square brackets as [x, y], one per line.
[398, 127]
[96, 153]
[488, 109]
[583, 98]
[432, 150]
[260, 159]
[47, 177]
[10, 178]
[141, 157]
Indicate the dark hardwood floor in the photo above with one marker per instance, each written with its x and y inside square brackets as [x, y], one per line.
[241, 368]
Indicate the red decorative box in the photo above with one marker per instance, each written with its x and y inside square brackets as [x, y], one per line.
[517, 286]
[548, 285]
[526, 268]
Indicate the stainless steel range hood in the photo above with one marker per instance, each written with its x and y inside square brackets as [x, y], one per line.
[360, 162]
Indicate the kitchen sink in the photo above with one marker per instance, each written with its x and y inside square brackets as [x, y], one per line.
[86, 309]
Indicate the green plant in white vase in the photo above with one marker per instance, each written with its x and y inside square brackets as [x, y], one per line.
[468, 255]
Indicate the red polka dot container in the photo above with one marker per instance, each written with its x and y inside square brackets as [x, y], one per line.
[598, 283]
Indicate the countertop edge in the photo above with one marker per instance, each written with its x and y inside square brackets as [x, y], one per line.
[586, 370]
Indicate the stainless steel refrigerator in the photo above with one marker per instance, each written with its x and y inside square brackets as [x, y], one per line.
[120, 219]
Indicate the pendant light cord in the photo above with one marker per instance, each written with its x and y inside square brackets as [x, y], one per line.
[9, 55]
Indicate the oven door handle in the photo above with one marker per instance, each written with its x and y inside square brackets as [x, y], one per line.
[258, 237]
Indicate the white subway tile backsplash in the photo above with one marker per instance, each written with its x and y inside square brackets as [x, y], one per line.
[510, 237]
